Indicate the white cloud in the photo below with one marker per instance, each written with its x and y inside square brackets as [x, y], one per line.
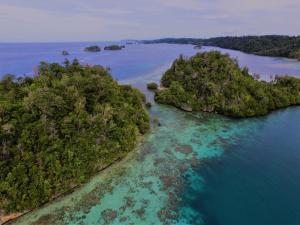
[75, 20]
[185, 4]
[25, 24]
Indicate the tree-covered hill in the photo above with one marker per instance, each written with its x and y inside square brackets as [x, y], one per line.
[271, 45]
[268, 45]
[213, 82]
[61, 127]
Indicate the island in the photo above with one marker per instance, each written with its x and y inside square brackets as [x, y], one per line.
[93, 48]
[213, 82]
[268, 45]
[152, 86]
[65, 52]
[61, 127]
[114, 47]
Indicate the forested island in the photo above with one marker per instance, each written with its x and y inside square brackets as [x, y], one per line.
[93, 48]
[114, 47]
[268, 45]
[152, 86]
[213, 82]
[61, 127]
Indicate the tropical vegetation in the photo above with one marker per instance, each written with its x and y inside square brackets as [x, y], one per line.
[152, 86]
[268, 45]
[272, 45]
[213, 82]
[60, 127]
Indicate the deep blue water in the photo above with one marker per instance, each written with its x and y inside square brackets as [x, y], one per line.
[131, 62]
[256, 181]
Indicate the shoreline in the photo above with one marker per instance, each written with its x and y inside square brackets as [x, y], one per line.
[13, 217]
[10, 218]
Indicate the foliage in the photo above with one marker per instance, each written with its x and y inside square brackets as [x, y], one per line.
[148, 105]
[93, 48]
[213, 82]
[271, 45]
[174, 41]
[152, 86]
[60, 128]
[268, 45]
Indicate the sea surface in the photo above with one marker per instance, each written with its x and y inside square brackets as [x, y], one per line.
[195, 168]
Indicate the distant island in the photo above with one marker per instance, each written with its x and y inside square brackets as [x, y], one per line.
[65, 52]
[93, 48]
[213, 82]
[269, 45]
[60, 128]
[114, 47]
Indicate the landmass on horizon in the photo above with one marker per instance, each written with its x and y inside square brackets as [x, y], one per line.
[267, 45]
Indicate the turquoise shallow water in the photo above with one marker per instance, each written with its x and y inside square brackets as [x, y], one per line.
[195, 168]
[147, 188]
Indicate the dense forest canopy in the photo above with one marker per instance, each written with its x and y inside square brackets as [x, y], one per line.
[60, 127]
[282, 46]
[269, 45]
[213, 82]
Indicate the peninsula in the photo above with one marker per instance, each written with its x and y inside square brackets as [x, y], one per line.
[268, 45]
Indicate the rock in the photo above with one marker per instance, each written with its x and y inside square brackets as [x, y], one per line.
[184, 149]
[209, 109]
[186, 108]
[64, 52]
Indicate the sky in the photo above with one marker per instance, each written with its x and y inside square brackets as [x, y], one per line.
[103, 20]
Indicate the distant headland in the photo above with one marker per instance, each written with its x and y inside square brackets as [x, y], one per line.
[268, 45]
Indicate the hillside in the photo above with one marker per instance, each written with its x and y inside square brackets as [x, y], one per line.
[269, 45]
[213, 82]
[61, 127]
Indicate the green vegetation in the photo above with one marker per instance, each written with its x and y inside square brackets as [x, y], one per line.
[272, 45]
[148, 105]
[65, 52]
[114, 47]
[61, 127]
[269, 45]
[152, 86]
[192, 41]
[93, 48]
[213, 82]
